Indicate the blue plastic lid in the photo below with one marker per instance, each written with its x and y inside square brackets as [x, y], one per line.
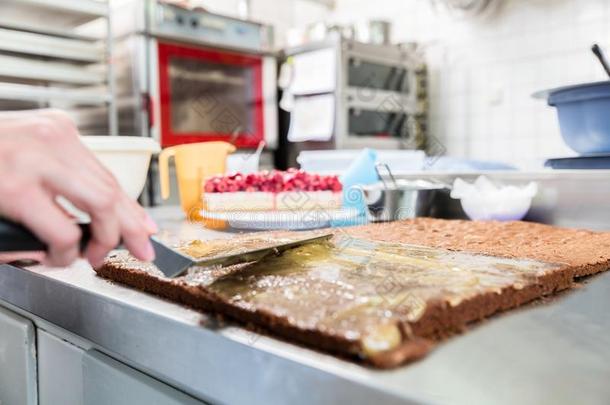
[579, 92]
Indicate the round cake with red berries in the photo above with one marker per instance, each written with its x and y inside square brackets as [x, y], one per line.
[291, 190]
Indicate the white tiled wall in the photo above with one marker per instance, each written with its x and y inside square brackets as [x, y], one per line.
[483, 70]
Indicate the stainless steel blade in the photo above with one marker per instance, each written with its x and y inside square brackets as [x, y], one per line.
[173, 263]
[257, 254]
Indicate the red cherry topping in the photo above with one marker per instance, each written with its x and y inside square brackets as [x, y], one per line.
[272, 181]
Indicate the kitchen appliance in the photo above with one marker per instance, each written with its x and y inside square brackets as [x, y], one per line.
[361, 95]
[374, 32]
[174, 263]
[187, 75]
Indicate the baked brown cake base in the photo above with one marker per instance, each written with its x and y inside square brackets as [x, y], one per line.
[574, 253]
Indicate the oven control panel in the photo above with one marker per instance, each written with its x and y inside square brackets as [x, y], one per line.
[201, 26]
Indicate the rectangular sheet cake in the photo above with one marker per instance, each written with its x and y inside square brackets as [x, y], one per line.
[383, 294]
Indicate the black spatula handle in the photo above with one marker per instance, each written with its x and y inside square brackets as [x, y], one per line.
[17, 238]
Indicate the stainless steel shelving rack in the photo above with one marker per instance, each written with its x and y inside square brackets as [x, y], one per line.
[47, 60]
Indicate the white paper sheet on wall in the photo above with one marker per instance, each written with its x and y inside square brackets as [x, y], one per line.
[312, 118]
[314, 72]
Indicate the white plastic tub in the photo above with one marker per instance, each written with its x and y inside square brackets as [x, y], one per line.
[127, 157]
[337, 161]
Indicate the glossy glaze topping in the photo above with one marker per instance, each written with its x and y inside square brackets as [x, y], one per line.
[200, 249]
[360, 290]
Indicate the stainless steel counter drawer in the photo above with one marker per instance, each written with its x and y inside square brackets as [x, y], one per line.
[107, 381]
[17, 360]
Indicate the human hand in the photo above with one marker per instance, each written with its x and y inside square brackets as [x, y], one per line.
[42, 158]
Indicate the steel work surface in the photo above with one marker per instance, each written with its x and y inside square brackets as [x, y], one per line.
[556, 352]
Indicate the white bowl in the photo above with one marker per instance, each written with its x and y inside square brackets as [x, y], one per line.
[127, 157]
[485, 200]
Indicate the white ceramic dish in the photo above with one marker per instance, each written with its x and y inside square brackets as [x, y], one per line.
[284, 220]
[127, 157]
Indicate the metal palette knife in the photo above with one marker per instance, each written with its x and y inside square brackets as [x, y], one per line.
[173, 263]
[15, 237]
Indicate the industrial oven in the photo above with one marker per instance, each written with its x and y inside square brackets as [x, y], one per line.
[188, 75]
[369, 95]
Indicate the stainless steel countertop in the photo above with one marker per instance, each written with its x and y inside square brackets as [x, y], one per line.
[569, 198]
[557, 352]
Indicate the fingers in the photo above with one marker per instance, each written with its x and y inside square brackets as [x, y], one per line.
[134, 229]
[114, 216]
[50, 224]
[93, 189]
[135, 225]
[151, 226]
[105, 228]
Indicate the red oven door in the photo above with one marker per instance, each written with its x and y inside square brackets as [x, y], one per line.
[209, 95]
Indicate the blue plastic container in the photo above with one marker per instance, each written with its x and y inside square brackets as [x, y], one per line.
[584, 116]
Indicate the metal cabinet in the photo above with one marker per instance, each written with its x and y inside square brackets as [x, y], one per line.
[38, 367]
[69, 375]
[107, 381]
[60, 378]
[17, 360]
